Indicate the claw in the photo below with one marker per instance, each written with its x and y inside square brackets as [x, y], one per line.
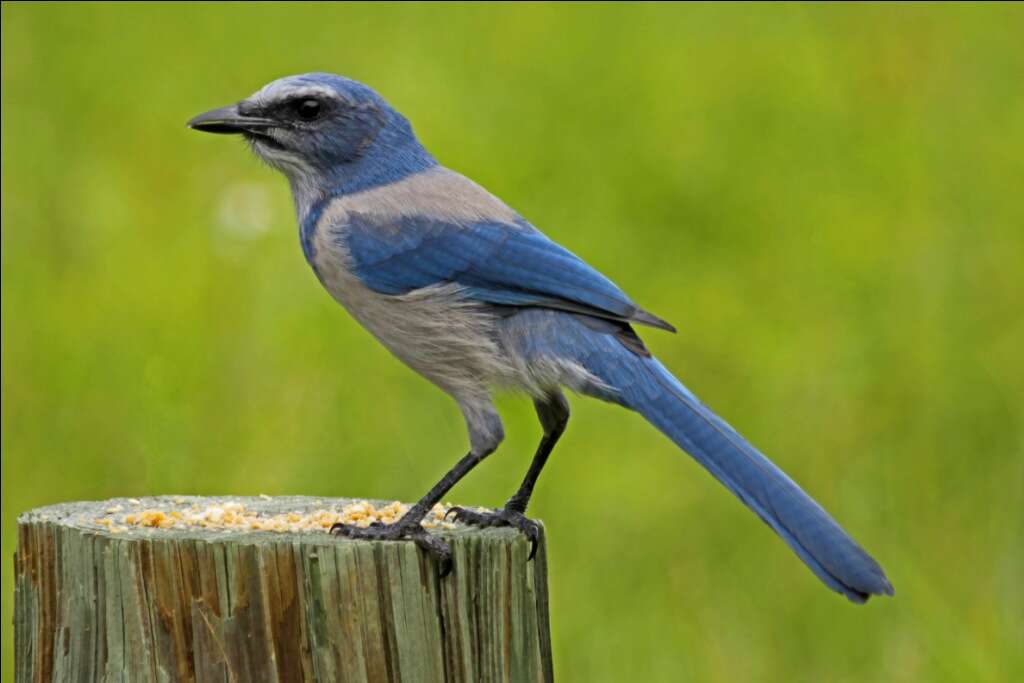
[503, 517]
[532, 532]
[435, 547]
[445, 564]
[399, 532]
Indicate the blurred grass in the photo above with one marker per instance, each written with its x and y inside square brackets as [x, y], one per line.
[826, 199]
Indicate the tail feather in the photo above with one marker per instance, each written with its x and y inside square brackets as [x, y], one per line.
[644, 385]
[614, 365]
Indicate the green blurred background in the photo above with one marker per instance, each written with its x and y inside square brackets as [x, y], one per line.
[826, 200]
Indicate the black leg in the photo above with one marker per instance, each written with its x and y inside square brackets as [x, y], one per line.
[553, 412]
[554, 416]
[409, 526]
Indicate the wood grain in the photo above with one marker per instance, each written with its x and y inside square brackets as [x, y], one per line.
[149, 604]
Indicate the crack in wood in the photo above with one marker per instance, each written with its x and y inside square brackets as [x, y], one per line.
[194, 604]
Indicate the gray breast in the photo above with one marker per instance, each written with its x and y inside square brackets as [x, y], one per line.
[448, 339]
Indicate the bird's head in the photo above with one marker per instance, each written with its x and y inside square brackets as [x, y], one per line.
[320, 128]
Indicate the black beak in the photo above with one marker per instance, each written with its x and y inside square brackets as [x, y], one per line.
[227, 120]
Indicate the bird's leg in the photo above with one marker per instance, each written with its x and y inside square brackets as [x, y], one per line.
[553, 411]
[485, 435]
[409, 526]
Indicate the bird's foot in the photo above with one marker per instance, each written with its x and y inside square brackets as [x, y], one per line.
[400, 531]
[502, 517]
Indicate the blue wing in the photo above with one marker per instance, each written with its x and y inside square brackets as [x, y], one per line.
[495, 262]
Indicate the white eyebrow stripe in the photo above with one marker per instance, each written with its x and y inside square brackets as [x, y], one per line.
[276, 92]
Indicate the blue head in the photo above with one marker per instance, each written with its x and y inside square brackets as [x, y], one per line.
[328, 134]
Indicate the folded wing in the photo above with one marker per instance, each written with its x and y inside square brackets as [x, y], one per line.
[509, 264]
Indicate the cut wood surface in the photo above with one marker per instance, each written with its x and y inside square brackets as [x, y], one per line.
[102, 592]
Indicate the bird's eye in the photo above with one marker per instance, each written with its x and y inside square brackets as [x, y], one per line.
[308, 110]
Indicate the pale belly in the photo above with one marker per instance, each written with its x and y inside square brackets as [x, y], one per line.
[459, 344]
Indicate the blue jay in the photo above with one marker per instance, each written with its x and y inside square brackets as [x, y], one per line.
[469, 294]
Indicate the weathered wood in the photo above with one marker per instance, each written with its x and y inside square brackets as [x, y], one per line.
[151, 604]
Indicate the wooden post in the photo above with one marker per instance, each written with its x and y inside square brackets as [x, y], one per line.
[176, 588]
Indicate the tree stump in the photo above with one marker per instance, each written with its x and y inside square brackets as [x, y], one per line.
[185, 588]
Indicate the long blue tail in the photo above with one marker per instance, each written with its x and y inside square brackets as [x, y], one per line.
[643, 384]
[810, 531]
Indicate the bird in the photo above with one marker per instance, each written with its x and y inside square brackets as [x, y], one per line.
[473, 297]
